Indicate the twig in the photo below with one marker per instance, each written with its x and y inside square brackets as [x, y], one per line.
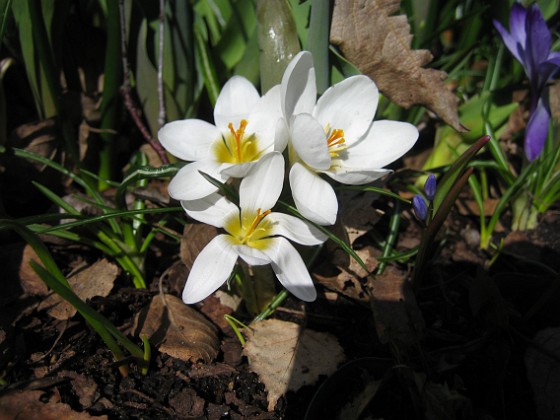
[125, 91]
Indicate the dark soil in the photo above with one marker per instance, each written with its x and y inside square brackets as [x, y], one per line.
[467, 362]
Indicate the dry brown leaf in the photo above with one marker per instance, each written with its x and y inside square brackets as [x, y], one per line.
[379, 45]
[177, 329]
[287, 357]
[346, 280]
[195, 237]
[356, 212]
[27, 405]
[96, 280]
[397, 316]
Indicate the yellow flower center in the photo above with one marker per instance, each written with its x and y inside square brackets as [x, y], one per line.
[336, 142]
[250, 230]
[236, 146]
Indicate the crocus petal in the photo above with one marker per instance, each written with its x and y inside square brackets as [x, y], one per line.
[548, 69]
[263, 118]
[295, 229]
[189, 184]
[517, 23]
[537, 131]
[309, 141]
[190, 140]
[236, 170]
[349, 105]
[511, 43]
[261, 188]
[290, 269]
[252, 256]
[213, 210]
[538, 37]
[385, 142]
[282, 135]
[355, 176]
[210, 270]
[314, 197]
[236, 100]
[299, 88]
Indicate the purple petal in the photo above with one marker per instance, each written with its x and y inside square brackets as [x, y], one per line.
[538, 37]
[547, 70]
[517, 22]
[420, 208]
[511, 42]
[537, 131]
[430, 187]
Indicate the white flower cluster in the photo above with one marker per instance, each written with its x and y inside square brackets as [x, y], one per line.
[334, 135]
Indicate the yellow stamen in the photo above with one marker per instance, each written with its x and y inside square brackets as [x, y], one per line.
[258, 218]
[238, 136]
[336, 142]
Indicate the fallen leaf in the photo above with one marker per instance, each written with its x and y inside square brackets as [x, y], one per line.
[346, 280]
[397, 316]
[287, 357]
[96, 280]
[543, 373]
[379, 45]
[27, 405]
[84, 387]
[17, 276]
[356, 212]
[195, 237]
[177, 329]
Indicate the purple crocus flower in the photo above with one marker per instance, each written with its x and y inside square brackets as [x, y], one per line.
[529, 41]
[420, 207]
[430, 187]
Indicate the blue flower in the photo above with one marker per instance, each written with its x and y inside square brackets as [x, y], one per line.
[420, 207]
[430, 187]
[530, 42]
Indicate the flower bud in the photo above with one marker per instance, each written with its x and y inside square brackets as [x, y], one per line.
[420, 208]
[430, 187]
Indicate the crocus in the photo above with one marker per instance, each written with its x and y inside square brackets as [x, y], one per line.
[430, 187]
[244, 131]
[335, 136]
[420, 207]
[530, 42]
[253, 232]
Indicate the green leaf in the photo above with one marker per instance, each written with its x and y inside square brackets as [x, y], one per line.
[447, 182]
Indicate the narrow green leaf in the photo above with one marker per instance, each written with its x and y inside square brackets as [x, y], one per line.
[318, 42]
[447, 182]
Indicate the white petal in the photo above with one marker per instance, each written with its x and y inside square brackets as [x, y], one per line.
[236, 100]
[385, 142]
[252, 256]
[295, 229]
[188, 184]
[290, 269]
[282, 135]
[299, 89]
[236, 170]
[349, 105]
[309, 141]
[355, 176]
[210, 270]
[213, 210]
[190, 140]
[314, 197]
[263, 118]
[261, 188]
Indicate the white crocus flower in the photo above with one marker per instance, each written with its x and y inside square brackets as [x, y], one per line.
[244, 131]
[335, 136]
[254, 233]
